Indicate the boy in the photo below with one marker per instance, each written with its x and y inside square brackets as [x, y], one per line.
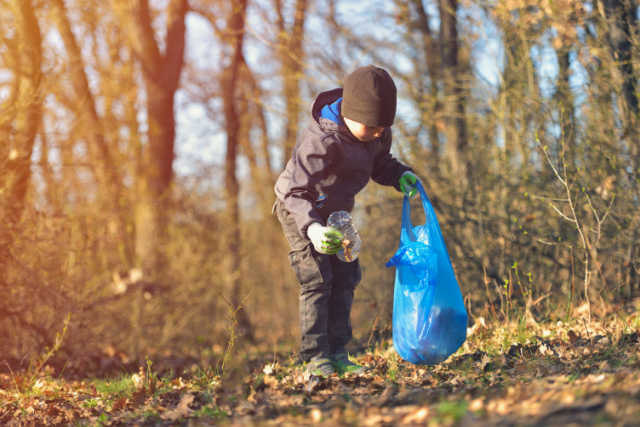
[347, 143]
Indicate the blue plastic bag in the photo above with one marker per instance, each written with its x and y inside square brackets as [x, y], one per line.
[429, 317]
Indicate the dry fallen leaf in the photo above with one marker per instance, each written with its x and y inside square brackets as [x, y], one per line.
[484, 362]
[573, 337]
[476, 404]
[316, 415]
[417, 416]
[120, 404]
[544, 350]
[137, 380]
[181, 410]
[269, 369]
[479, 324]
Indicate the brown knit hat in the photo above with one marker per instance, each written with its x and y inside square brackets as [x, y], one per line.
[369, 97]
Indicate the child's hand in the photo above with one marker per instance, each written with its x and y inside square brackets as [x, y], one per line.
[326, 240]
[408, 183]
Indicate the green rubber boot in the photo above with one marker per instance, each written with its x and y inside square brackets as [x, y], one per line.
[343, 365]
[321, 367]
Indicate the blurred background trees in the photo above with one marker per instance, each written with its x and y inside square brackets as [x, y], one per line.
[141, 141]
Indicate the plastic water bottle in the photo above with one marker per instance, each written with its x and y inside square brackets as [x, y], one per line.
[351, 244]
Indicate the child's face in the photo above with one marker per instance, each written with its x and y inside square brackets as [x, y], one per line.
[363, 132]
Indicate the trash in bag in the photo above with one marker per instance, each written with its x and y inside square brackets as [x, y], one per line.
[429, 316]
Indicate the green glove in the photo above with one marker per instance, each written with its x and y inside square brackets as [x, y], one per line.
[408, 183]
[326, 240]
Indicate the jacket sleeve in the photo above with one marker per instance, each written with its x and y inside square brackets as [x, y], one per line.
[386, 169]
[312, 160]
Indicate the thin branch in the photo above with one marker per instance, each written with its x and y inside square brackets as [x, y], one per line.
[565, 217]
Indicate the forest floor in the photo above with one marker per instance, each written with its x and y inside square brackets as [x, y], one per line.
[509, 373]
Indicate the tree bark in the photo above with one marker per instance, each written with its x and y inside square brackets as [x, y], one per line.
[432, 60]
[622, 23]
[622, 27]
[15, 162]
[161, 75]
[231, 80]
[254, 114]
[519, 83]
[108, 175]
[621, 16]
[291, 63]
[454, 94]
[28, 106]
[564, 99]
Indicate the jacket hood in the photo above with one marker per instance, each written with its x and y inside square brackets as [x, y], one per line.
[324, 98]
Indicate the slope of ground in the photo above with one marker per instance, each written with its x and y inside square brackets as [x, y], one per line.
[524, 373]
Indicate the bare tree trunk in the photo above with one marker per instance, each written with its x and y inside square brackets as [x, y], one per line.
[622, 27]
[454, 94]
[432, 58]
[519, 82]
[291, 60]
[230, 79]
[622, 22]
[28, 110]
[259, 183]
[15, 162]
[621, 16]
[253, 115]
[257, 95]
[564, 98]
[154, 171]
[52, 185]
[161, 74]
[108, 175]
[508, 91]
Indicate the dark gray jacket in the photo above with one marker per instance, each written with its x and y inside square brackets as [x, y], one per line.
[329, 166]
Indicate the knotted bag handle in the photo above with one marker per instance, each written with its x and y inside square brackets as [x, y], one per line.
[407, 234]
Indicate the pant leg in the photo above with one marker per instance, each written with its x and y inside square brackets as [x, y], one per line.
[346, 276]
[314, 274]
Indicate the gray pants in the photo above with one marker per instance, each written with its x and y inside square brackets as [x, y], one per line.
[326, 292]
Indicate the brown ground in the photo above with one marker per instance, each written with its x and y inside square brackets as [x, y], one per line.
[529, 373]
